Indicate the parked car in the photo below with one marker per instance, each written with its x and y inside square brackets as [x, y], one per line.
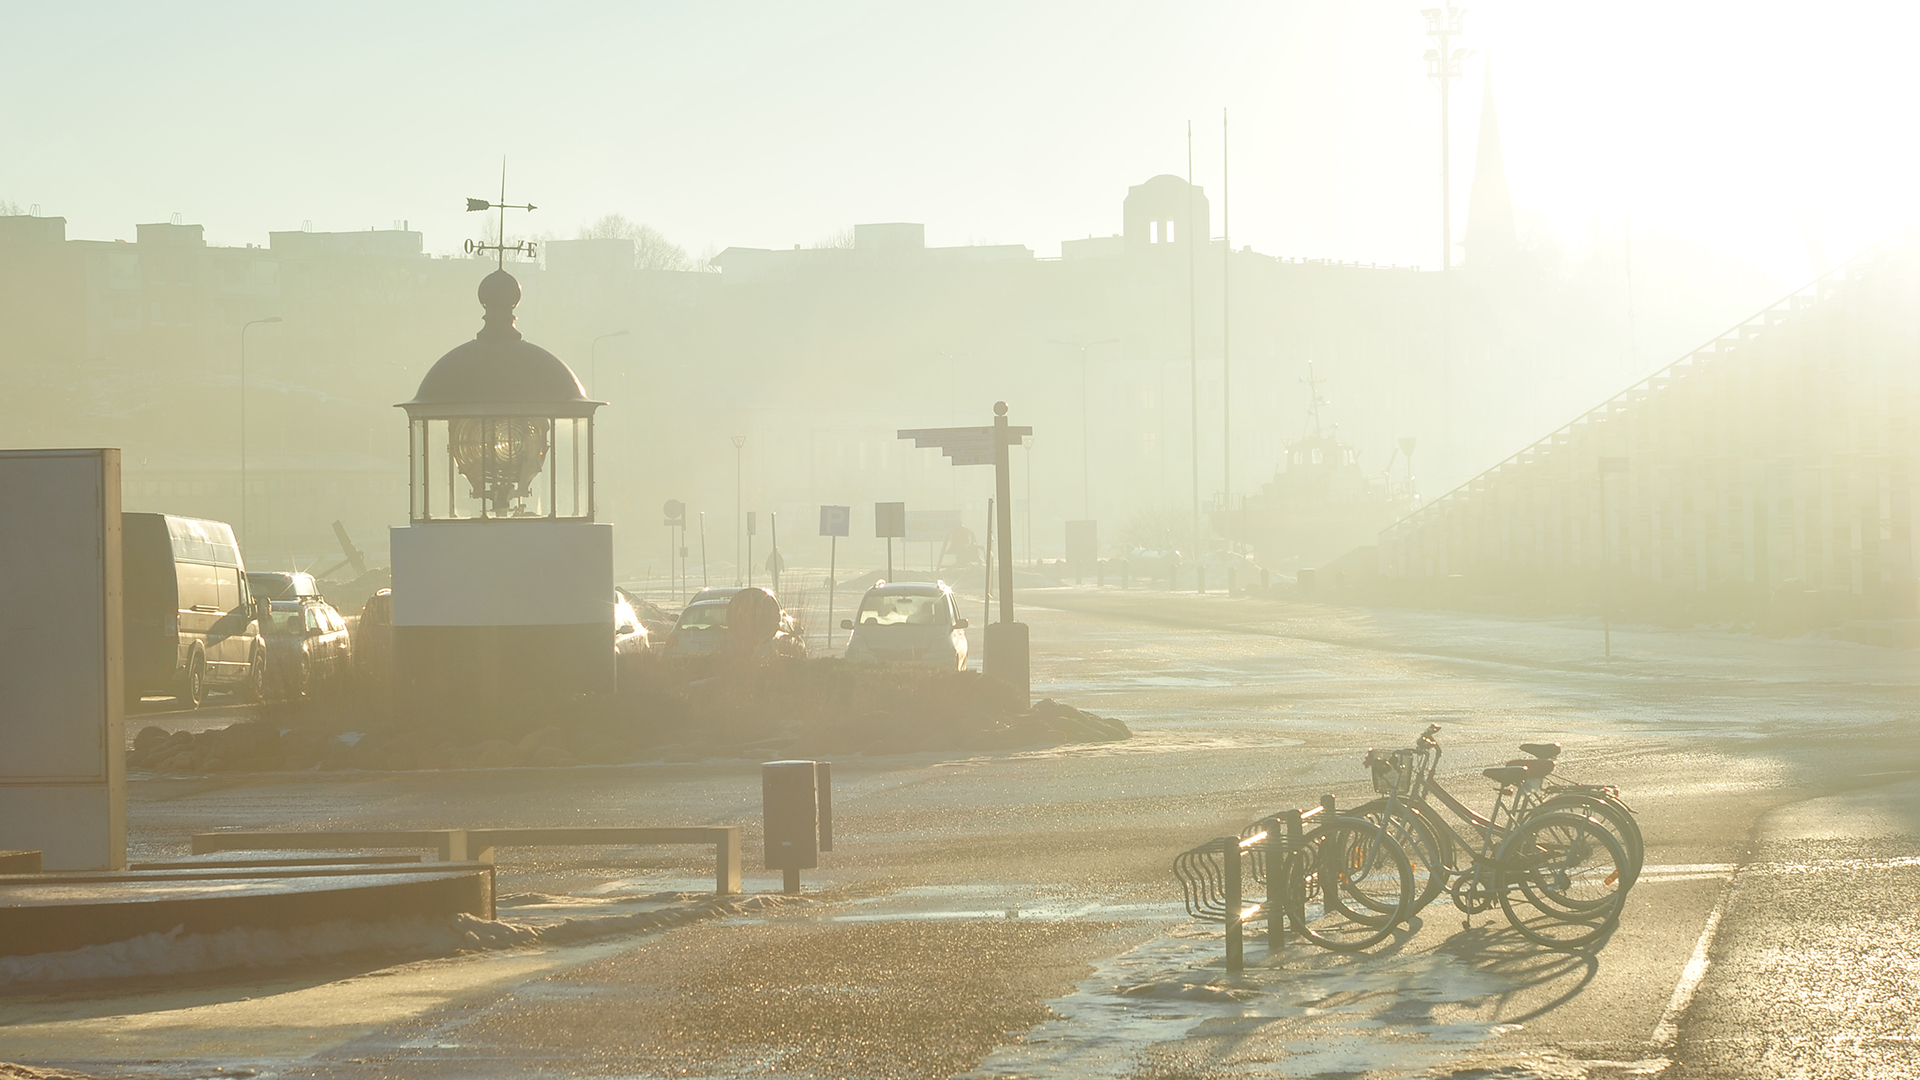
[191, 623]
[283, 585]
[908, 622]
[704, 624]
[630, 637]
[309, 651]
[658, 620]
[372, 643]
[700, 629]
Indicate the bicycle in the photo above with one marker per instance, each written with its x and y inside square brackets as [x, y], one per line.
[1600, 802]
[1548, 854]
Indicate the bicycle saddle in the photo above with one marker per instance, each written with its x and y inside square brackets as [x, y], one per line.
[1534, 766]
[1545, 750]
[1505, 775]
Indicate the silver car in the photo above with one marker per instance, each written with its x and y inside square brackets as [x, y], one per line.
[908, 622]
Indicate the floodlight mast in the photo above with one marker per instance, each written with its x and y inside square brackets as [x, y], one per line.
[1445, 64]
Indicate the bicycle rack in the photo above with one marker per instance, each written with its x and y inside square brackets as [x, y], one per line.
[1214, 876]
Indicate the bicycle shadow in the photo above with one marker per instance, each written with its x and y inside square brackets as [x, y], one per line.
[1409, 1001]
[1527, 969]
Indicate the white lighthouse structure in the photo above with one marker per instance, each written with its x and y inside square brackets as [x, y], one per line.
[502, 579]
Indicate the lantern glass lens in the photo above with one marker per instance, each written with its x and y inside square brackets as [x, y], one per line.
[499, 457]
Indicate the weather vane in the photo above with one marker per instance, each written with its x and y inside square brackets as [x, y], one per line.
[525, 246]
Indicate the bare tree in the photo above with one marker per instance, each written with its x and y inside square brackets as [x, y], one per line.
[839, 238]
[651, 251]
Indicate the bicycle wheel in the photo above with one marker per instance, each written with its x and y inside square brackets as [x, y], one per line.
[1567, 869]
[1610, 813]
[1350, 885]
[1428, 848]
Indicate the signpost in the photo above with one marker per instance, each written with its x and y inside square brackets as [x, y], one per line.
[675, 512]
[833, 524]
[774, 565]
[1006, 640]
[889, 521]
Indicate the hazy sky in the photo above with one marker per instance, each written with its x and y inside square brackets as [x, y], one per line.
[1760, 129]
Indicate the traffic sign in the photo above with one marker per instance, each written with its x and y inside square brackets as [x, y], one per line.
[835, 520]
[889, 519]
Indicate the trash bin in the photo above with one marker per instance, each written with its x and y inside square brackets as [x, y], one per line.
[790, 811]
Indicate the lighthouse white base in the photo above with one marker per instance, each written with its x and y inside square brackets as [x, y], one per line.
[501, 611]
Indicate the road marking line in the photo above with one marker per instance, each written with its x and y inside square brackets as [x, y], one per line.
[1667, 1031]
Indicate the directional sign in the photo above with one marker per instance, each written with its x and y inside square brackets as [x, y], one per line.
[965, 445]
[931, 526]
[834, 520]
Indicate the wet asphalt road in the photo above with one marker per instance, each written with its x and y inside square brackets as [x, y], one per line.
[1013, 914]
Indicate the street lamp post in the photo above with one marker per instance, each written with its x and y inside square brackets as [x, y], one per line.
[593, 361]
[739, 524]
[243, 421]
[1086, 483]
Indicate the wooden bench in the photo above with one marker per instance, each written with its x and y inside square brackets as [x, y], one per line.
[477, 845]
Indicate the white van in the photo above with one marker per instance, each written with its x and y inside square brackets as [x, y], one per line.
[908, 622]
[191, 622]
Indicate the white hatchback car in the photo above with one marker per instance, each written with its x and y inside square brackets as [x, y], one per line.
[908, 622]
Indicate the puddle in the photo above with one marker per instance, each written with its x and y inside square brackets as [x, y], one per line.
[1312, 1013]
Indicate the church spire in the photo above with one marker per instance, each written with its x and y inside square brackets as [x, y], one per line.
[1490, 238]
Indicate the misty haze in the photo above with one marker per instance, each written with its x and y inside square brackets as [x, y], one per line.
[1355, 540]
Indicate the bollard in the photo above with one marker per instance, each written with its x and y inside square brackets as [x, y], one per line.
[1007, 660]
[1236, 948]
[790, 808]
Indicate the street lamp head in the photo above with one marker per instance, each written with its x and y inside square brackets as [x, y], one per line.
[274, 318]
[739, 441]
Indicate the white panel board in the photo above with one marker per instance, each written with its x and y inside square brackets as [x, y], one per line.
[63, 769]
[502, 573]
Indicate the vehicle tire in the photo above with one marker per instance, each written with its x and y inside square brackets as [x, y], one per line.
[1559, 879]
[254, 690]
[1428, 848]
[193, 684]
[1354, 885]
[1616, 818]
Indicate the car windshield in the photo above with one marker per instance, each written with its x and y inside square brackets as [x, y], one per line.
[286, 618]
[900, 609]
[704, 617]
